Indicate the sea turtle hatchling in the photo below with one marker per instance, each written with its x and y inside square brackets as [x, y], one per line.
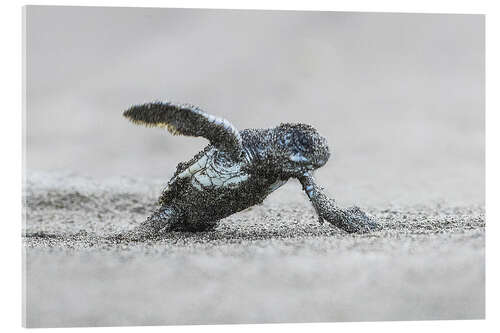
[237, 170]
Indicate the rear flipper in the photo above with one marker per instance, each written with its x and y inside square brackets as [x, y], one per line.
[160, 222]
[350, 220]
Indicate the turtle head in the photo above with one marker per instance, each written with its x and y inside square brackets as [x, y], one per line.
[300, 148]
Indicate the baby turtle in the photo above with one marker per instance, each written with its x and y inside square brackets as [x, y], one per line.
[237, 170]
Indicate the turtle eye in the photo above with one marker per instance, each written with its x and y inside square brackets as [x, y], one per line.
[286, 139]
[302, 142]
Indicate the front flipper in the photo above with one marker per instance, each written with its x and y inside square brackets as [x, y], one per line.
[188, 120]
[350, 220]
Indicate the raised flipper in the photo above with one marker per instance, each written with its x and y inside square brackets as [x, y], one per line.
[351, 219]
[188, 120]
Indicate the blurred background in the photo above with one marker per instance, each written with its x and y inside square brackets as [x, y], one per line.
[400, 97]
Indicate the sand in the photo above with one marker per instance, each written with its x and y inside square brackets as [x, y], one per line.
[271, 263]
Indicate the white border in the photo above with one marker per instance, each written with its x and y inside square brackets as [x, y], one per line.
[11, 151]
[421, 6]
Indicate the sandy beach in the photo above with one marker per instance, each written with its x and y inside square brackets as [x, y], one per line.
[270, 263]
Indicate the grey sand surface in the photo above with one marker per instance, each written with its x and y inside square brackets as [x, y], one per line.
[270, 263]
